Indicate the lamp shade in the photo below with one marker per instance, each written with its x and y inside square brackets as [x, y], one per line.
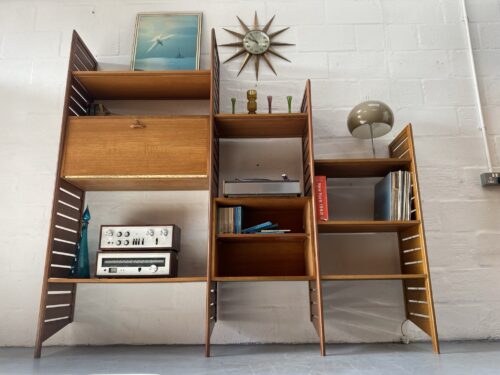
[370, 119]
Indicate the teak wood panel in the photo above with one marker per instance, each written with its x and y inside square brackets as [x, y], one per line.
[260, 258]
[315, 291]
[189, 84]
[124, 280]
[415, 261]
[136, 147]
[79, 58]
[374, 277]
[275, 125]
[213, 189]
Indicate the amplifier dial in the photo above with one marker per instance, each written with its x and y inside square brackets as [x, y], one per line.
[118, 242]
[126, 242]
[109, 233]
[153, 268]
[150, 232]
[164, 232]
[127, 233]
[118, 234]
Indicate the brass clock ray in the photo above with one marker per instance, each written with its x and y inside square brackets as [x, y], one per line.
[256, 43]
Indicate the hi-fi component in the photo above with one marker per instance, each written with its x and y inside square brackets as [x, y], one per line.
[140, 237]
[261, 186]
[132, 264]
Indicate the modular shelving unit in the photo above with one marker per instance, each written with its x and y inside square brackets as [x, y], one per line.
[139, 160]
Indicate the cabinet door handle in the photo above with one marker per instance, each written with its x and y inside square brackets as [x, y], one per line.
[137, 125]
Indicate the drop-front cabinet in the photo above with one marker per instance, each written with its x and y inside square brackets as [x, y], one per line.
[101, 152]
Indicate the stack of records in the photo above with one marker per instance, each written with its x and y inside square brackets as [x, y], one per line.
[393, 197]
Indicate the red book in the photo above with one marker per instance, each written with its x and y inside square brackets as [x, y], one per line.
[321, 198]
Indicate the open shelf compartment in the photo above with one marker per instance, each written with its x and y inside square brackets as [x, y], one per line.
[364, 226]
[252, 257]
[275, 125]
[141, 85]
[355, 168]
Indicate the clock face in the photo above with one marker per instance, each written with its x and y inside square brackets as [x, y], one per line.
[256, 42]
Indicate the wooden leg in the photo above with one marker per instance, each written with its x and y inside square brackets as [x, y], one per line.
[316, 313]
[211, 315]
[51, 320]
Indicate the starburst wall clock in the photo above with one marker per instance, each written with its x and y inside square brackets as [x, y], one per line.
[256, 43]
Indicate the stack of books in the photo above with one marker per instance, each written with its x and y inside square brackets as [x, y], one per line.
[393, 197]
[229, 219]
[267, 227]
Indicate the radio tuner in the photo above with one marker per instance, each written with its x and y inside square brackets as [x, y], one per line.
[140, 237]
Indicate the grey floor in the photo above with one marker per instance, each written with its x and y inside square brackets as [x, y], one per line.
[473, 357]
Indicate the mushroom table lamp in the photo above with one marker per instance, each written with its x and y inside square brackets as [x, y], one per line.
[370, 119]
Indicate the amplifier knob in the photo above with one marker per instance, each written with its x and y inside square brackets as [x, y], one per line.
[126, 242]
[150, 232]
[109, 233]
[118, 234]
[153, 268]
[118, 242]
[164, 232]
[127, 233]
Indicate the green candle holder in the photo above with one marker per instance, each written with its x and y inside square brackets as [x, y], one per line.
[289, 101]
[233, 105]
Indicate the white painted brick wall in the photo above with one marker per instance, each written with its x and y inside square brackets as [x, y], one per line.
[410, 53]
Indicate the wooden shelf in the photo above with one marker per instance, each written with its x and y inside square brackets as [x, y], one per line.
[137, 280]
[354, 168]
[260, 237]
[139, 85]
[138, 183]
[265, 203]
[263, 278]
[364, 226]
[275, 125]
[373, 277]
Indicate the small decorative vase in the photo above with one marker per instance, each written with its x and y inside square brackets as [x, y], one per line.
[233, 105]
[252, 102]
[82, 267]
[270, 102]
[289, 100]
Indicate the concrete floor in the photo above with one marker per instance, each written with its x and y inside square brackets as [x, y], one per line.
[474, 357]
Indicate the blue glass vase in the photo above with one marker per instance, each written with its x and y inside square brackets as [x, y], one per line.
[82, 267]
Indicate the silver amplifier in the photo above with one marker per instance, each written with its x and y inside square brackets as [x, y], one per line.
[140, 237]
[129, 264]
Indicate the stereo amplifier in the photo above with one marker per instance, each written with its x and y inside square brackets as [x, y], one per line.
[140, 237]
[129, 264]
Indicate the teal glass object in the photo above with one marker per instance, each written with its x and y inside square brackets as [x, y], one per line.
[289, 100]
[82, 267]
[233, 105]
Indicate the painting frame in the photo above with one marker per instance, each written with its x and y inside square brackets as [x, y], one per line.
[140, 16]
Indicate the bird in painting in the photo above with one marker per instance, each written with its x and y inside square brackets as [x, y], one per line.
[158, 41]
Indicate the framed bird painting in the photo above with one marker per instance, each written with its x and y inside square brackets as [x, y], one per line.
[167, 41]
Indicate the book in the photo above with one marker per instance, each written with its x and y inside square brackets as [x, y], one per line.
[321, 198]
[383, 199]
[275, 231]
[229, 219]
[258, 227]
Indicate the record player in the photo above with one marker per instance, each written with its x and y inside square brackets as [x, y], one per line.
[249, 187]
